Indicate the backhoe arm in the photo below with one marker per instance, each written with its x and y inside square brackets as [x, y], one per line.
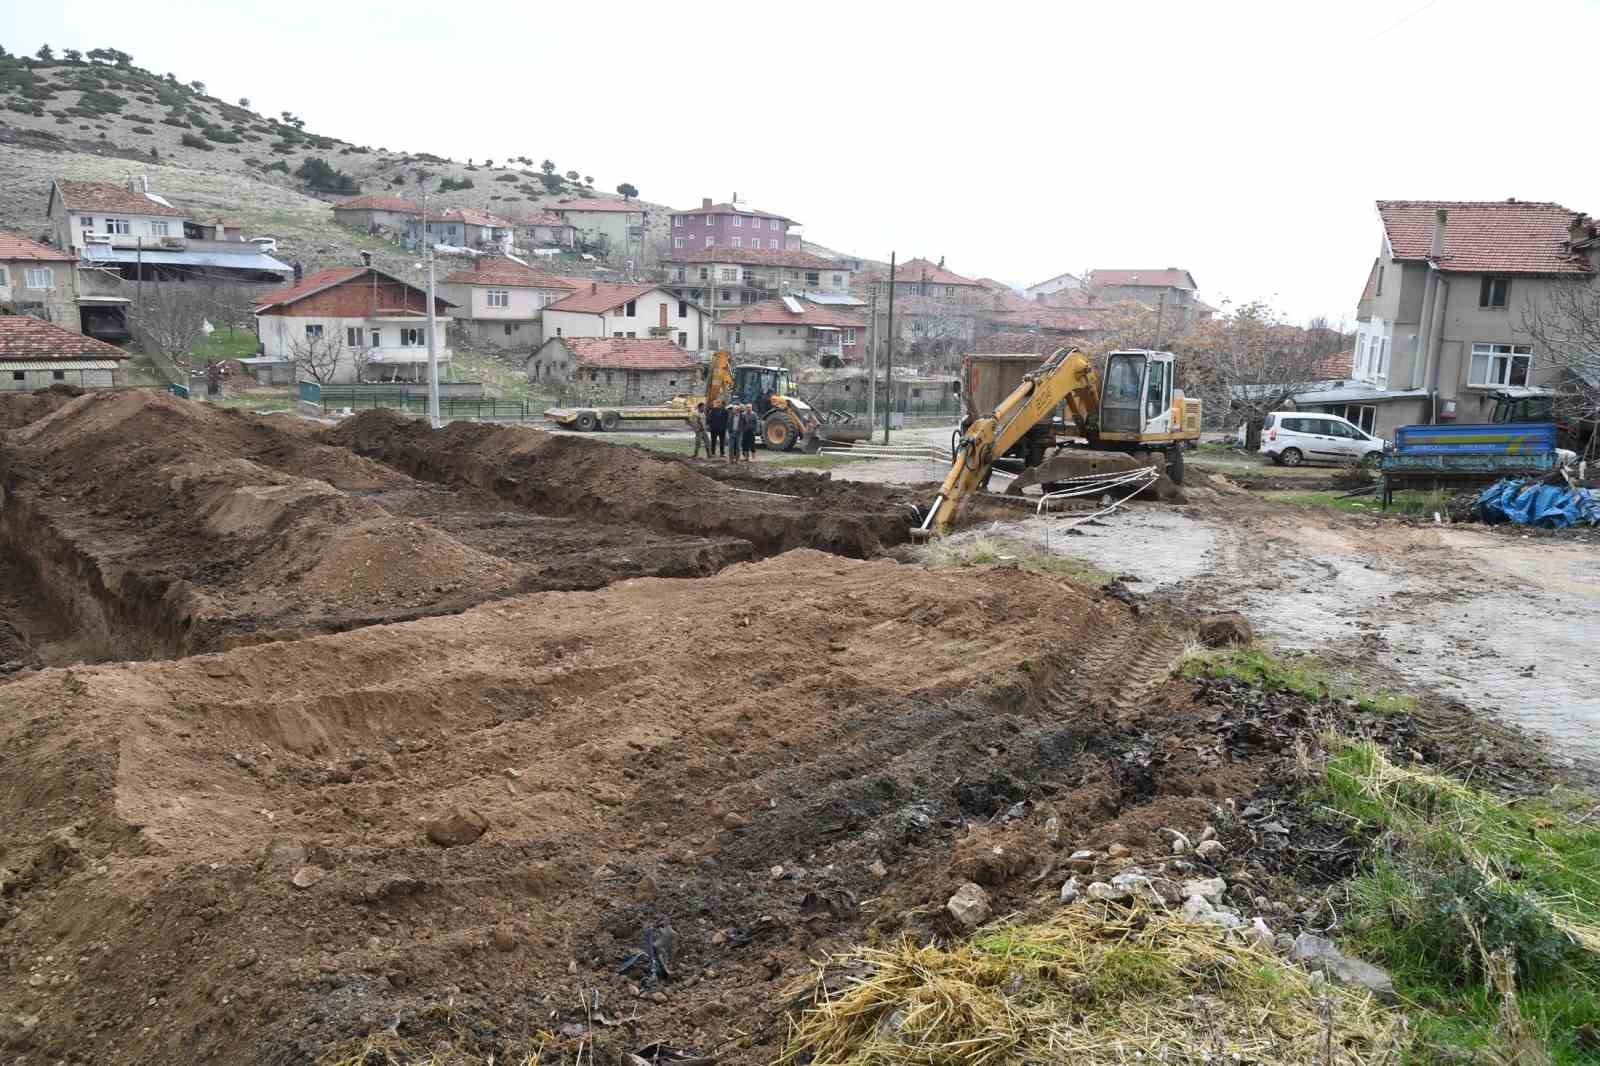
[719, 380]
[1066, 377]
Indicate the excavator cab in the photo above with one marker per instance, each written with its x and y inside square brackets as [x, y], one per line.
[759, 384]
[1136, 400]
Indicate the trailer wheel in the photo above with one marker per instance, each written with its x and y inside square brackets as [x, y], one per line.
[609, 420]
[585, 421]
[1175, 465]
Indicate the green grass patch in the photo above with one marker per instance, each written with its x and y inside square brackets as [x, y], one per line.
[1405, 504]
[1467, 885]
[987, 549]
[1303, 675]
[252, 399]
[224, 344]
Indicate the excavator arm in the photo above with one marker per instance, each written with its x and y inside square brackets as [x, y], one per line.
[1067, 377]
[719, 380]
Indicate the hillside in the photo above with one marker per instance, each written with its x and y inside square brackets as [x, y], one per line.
[102, 121]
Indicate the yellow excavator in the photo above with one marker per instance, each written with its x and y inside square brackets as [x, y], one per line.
[1136, 414]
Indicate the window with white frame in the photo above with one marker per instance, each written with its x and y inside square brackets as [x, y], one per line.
[352, 336]
[729, 273]
[87, 222]
[499, 297]
[1361, 355]
[738, 220]
[5, 277]
[377, 338]
[412, 337]
[1494, 293]
[677, 221]
[711, 220]
[774, 224]
[313, 331]
[117, 225]
[838, 279]
[677, 242]
[737, 242]
[849, 335]
[710, 241]
[159, 229]
[40, 278]
[1500, 364]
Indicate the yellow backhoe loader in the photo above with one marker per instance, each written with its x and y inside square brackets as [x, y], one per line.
[1135, 416]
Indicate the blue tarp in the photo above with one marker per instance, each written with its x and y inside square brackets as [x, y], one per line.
[1529, 503]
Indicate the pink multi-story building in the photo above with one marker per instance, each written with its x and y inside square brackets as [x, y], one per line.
[732, 226]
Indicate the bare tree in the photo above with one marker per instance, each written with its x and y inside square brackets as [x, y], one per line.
[1565, 330]
[315, 351]
[169, 321]
[1248, 363]
[361, 359]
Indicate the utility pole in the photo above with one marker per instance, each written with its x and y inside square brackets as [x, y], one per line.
[872, 361]
[138, 271]
[433, 341]
[888, 357]
[1161, 310]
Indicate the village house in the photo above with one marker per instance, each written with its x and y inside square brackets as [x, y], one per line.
[126, 231]
[610, 370]
[1171, 289]
[376, 213]
[213, 229]
[1015, 315]
[926, 279]
[830, 336]
[731, 276]
[38, 280]
[548, 230]
[349, 324]
[1440, 321]
[35, 354]
[627, 312]
[609, 228]
[499, 301]
[729, 225]
[1051, 286]
[460, 227]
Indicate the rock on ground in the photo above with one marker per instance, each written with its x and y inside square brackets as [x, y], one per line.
[1323, 956]
[1229, 627]
[969, 906]
[459, 826]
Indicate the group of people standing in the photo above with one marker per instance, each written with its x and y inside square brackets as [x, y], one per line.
[725, 430]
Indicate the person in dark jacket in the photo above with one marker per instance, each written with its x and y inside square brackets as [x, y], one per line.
[735, 431]
[748, 440]
[717, 426]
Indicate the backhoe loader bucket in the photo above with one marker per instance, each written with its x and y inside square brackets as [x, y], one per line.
[837, 427]
[1082, 462]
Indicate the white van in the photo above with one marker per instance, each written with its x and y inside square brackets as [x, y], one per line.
[1295, 437]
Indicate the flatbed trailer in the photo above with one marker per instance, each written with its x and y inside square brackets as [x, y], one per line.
[606, 417]
[1467, 456]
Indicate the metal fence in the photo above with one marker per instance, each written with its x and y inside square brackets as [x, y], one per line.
[932, 403]
[414, 400]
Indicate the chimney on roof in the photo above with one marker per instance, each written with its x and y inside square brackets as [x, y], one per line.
[366, 259]
[144, 183]
[299, 271]
[594, 287]
[705, 201]
[1440, 217]
[941, 262]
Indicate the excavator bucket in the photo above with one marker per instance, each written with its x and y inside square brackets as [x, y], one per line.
[1069, 463]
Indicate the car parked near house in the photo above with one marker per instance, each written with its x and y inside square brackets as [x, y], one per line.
[1295, 437]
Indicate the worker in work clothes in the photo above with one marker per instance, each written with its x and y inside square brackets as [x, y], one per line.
[697, 422]
[735, 423]
[717, 428]
[747, 437]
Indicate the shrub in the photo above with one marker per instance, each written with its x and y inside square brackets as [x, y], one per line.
[279, 165]
[101, 103]
[143, 120]
[452, 184]
[146, 130]
[318, 175]
[191, 140]
[178, 122]
[507, 177]
[220, 135]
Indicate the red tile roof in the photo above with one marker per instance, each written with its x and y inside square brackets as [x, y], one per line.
[753, 257]
[1008, 342]
[1057, 319]
[923, 270]
[1336, 367]
[14, 246]
[104, 196]
[1508, 237]
[598, 205]
[377, 203]
[775, 313]
[733, 209]
[469, 216]
[323, 280]
[599, 297]
[620, 354]
[995, 286]
[545, 218]
[26, 337]
[1170, 278]
[501, 271]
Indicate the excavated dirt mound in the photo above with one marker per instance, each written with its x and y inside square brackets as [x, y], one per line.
[233, 857]
[559, 474]
[160, 527]
[20, 408]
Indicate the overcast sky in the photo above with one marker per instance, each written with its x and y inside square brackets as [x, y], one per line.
[1245, 142]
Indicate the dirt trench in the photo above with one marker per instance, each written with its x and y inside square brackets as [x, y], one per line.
[155, 528]
[565, 475]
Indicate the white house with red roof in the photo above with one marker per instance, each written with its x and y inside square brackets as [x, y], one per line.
[826, 335]
[730, 276]
[35, 354]
[1171, 288]
[348, 324]
[369, 213]
[612, 370]
[1439, 329]
[38, 280]
[628, 312]
[499, 301]
[115, 214]
[546, 229]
